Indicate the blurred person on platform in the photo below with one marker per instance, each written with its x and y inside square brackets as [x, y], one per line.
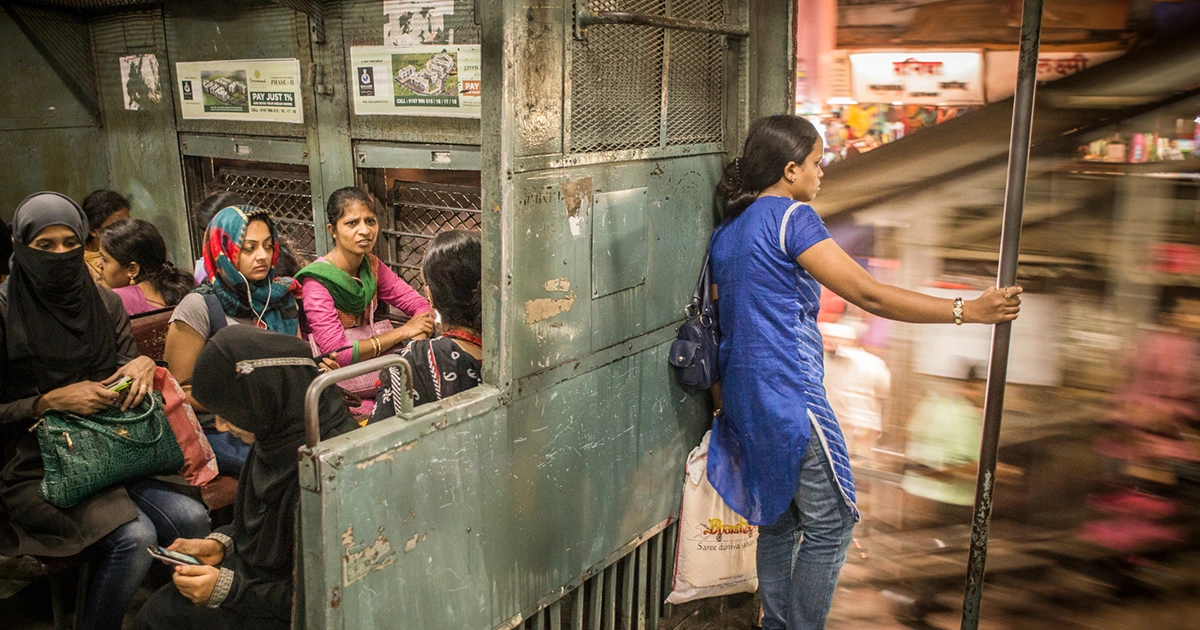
[942, 452]
[858, 384]
[1151, 437]
[103, 208]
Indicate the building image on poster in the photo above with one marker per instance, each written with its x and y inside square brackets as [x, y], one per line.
[425, 79]
[225, 91]
[248, 89]
[416, 80]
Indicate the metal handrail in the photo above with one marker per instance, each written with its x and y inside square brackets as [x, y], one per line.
[312, 398]
[585, 18]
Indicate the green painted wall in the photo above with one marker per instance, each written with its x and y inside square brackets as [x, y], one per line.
[48, 141]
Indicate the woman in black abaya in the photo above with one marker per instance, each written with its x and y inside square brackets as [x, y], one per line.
[255, 381]
[62, 341]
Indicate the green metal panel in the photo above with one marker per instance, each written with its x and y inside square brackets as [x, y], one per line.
[463, 517]
[50, 141]
[253, 29]
[555, 317]
[619, 244]
[143, 151]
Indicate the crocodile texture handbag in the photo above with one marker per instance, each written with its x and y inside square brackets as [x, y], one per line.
[84, 455]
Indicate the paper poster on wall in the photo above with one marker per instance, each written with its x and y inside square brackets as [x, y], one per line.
[417, 22]
[416, 80]
[918, 78]
[140, 86]
[246, 89]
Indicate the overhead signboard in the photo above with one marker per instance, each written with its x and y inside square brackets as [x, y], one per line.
[416, 80]
[1002, 68]
[918, 78]
[245, 89]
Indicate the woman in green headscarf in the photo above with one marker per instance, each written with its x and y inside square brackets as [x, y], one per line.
[342, 289]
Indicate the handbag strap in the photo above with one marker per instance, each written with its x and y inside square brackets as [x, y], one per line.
[702, 296]
[99, 425]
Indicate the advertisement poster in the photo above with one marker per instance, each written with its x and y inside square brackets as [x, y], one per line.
[139, 82]
[416, 80]
[918, 78]
[1001, 75]
[247, 89]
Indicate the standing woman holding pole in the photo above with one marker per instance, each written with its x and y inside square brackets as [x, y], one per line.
[777, 455]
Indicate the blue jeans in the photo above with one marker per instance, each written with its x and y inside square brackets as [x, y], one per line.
[163, 516]
[800, 556]
[231, 452]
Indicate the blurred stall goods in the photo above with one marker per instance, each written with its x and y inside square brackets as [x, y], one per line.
[1163, 143]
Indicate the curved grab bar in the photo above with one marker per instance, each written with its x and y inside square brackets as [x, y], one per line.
[312, 398]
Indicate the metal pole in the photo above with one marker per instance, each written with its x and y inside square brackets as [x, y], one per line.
[1010, 245]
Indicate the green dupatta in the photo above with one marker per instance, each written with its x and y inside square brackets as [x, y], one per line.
[348, 294]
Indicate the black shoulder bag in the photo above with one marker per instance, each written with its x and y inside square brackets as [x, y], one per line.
[694, 353]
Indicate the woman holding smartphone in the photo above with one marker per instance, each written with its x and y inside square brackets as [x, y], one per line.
[244, 578]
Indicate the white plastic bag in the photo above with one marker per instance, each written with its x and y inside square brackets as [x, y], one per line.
[715, 553]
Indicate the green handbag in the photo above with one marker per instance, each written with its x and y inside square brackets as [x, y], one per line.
[83, 456]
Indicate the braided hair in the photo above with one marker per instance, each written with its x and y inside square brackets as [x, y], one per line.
[771, 144]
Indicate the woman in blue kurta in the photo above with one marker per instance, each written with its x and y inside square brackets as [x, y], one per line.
[777, 455]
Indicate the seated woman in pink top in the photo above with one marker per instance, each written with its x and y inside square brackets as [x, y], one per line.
[133, 261]
[342, 289]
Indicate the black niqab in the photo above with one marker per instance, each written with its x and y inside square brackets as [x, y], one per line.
[269, 402]
[58, 330]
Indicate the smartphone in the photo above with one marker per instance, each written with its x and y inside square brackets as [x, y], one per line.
[121, 385]
[172, 557]
[329, 355]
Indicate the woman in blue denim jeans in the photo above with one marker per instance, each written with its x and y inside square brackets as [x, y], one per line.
[63, 339]
[770, 256]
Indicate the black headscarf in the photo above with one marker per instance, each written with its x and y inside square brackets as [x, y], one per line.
[269, 402]
[57, 330]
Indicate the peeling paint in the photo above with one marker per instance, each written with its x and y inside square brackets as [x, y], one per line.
[541, 309]
[359, 559]
[558, 285]
[411, 543]
[575, 192]
[386, 456]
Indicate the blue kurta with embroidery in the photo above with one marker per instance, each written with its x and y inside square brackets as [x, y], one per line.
[771, 360]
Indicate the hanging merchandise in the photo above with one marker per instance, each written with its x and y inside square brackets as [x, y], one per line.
[716, 549]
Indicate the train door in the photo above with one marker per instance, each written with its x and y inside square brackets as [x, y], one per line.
[545, 497]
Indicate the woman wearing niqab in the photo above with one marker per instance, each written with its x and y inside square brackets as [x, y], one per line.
[255, 381]
[62, 340]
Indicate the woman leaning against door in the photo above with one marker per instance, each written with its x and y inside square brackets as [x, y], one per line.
[777, 455]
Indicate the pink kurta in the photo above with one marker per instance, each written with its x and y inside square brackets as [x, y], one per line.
[326, 325]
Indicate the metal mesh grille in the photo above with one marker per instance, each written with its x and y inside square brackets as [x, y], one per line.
[694, 92]
[617, 80]
[694, 82]
[288, 197]
[616, 89]
[419, 212]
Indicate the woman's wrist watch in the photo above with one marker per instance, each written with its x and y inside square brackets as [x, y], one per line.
[958, 311]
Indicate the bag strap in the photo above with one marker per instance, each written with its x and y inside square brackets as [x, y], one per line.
[702, 295]
[99, 425]
[216, 314]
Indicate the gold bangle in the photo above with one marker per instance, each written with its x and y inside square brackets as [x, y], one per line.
[378, 346]
[958, 311]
